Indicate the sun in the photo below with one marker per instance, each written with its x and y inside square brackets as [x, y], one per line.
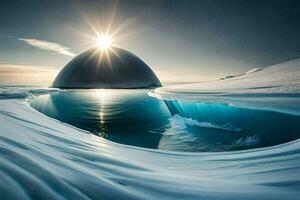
[104, 41]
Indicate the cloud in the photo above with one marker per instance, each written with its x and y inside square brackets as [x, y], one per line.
[49, 46]
[14, 74]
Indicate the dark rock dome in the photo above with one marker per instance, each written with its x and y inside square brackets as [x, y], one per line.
[111, 68]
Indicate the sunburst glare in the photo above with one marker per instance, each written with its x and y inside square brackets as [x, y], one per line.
[104, 41]
[104, 29]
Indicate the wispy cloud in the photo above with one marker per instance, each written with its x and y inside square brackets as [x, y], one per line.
[49, 46]
[12, 74]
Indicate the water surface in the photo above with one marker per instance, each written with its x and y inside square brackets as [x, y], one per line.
[133, 117]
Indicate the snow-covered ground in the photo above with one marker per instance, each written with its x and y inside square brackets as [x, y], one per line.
[42, 158]
[275, 88]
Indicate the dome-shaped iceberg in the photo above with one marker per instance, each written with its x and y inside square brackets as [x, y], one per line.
[111, 68]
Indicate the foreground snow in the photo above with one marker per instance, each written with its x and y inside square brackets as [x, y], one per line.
[44, 158]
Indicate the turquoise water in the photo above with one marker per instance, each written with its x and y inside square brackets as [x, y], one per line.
[242, 128]
[132, 117]
[123, 116]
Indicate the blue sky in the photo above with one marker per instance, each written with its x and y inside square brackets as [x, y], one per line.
[182, 41]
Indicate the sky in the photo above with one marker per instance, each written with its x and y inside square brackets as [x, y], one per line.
[181, 40]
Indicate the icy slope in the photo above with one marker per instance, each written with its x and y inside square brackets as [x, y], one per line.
[276, 88]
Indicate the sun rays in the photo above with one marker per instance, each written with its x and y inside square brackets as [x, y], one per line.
[103, 31]
[104, 41]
